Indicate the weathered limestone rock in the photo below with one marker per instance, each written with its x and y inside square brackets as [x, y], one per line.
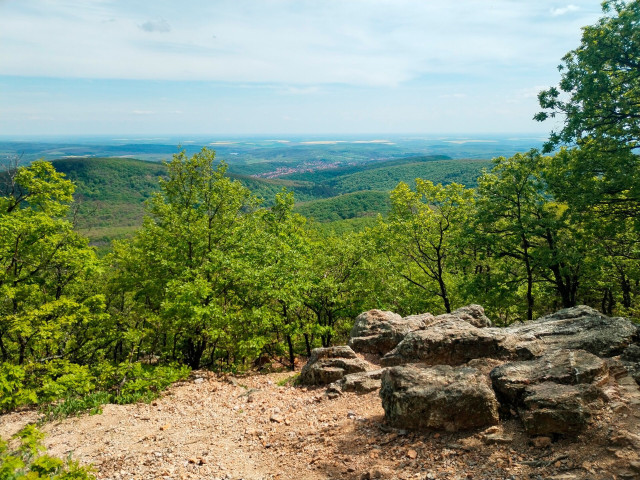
[552, 408]
[361, 382]
[379, 332]
[327, 365]
[451, 342]
[575, 328]
[473, 314]
[568, 367]
[440, 397]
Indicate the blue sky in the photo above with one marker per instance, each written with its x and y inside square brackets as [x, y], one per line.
[80, 67]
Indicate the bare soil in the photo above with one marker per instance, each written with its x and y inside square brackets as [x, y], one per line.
[249, 427]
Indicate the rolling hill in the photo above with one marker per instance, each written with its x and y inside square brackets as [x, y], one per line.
[110, 192]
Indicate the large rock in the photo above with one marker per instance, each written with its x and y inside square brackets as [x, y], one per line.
[575, 328]
[567, 367]
[327, 365]
[451, 341]
[379, 332]
[440, 397]
[552, 408]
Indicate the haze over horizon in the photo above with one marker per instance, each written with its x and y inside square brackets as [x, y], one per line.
[108, 67]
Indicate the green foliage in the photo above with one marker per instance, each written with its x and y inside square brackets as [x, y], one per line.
[350, 205]
[26, 461]
[13, 393]
[62, 388]
[46, 299]
[598, 100]
[422, 240]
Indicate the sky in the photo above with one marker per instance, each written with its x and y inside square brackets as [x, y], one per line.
[107, 67]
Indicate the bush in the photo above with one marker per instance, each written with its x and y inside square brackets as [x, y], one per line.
[62, 388]
[25, 460]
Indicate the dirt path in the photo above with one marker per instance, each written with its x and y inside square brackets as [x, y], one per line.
[250, 428]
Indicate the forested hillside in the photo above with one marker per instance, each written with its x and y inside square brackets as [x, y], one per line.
[110, 192]
[347, 206]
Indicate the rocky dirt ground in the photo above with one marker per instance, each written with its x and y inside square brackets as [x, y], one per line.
[251, 428]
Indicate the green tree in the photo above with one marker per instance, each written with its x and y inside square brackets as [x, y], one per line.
[279, 251]
[598, 100]
[518, 220]
[49, 307]
[338, 289]
[186, 263]
[423, 238]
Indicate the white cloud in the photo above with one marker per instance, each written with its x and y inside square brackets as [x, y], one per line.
[556, 12]
[293, 42]
[160, 26]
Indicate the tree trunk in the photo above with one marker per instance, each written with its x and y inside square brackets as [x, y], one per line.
[292, 357]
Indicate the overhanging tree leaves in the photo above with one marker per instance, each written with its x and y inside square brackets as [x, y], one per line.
[599, 100]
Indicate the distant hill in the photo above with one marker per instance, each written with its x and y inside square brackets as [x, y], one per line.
[385, 175]
[386, 178]
[342, 207]
[111, 192]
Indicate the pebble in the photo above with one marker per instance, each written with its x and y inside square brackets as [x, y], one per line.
[541, 442]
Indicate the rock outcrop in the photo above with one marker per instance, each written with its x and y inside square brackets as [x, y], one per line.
[328, 365]
[576, 328]
[451, 340]
[553, 408]
[455, 371]
[552, 394]
[439, 397]
[567, 367]
[379, 332]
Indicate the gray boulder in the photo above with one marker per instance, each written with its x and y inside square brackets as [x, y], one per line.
[327, 365]
[567, 367]
[363, 382]
[379, 332]
[439, 397]
[473, 314]
[575, 328]
[451, 341]
[552, 408]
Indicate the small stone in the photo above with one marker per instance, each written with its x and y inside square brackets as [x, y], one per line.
[165, 427]
[193, 460]
[412, 454]
[276, 418]
[635, 466]
[198, 380]
[497, 439]
[541, 442]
